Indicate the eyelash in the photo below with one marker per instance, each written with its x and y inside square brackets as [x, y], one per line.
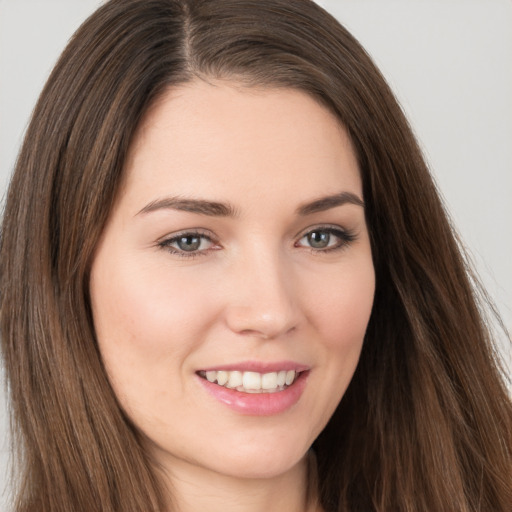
[345, 238]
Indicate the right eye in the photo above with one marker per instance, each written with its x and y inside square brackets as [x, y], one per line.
[188, 244]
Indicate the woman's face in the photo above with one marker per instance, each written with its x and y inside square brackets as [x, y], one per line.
[233, 283]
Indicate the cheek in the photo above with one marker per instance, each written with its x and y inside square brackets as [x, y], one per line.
[143, 301]
[339, 312]
[341, 308]
[146, 320]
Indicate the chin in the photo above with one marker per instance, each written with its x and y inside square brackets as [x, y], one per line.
[244, 458]
[260, 466]
[262, 458]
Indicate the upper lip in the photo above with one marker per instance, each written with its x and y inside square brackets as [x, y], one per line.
[259, 366]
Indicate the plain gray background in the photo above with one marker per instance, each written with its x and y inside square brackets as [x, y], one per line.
[449, 62]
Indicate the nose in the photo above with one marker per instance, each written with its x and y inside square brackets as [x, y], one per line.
[262, 301]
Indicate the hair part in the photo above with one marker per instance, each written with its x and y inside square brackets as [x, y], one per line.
[426, 423]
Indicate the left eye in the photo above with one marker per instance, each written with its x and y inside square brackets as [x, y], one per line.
[325, 239]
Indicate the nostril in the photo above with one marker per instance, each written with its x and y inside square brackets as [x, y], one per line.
[255, 334]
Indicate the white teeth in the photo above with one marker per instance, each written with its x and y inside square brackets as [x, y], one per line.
[269, 381]
[252, 382]
[222, 378]
[235, 379]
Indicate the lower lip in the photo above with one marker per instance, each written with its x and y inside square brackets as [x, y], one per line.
[258, 404]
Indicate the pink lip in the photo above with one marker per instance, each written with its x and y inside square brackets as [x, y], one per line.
[257, 404]
[259, 366]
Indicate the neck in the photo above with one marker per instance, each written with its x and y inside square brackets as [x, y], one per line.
[194, 488]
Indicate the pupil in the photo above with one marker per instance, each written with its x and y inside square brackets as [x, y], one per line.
[319, 239]
[189, 243]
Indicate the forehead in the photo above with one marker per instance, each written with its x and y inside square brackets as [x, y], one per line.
[222, 138]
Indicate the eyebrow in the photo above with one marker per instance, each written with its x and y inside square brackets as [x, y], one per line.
[217, 209]
[201, 206]
[326, 203]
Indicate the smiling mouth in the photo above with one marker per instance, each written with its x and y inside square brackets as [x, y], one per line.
[252, 382]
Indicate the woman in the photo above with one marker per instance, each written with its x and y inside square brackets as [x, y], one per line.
[228, 280]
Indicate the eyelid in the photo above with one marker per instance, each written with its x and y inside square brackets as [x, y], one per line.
[319, 227]
[190, 231]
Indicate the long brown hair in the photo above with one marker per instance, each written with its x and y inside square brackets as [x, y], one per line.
[426, 423]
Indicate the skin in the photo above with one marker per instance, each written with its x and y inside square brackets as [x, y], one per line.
[254, 290]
